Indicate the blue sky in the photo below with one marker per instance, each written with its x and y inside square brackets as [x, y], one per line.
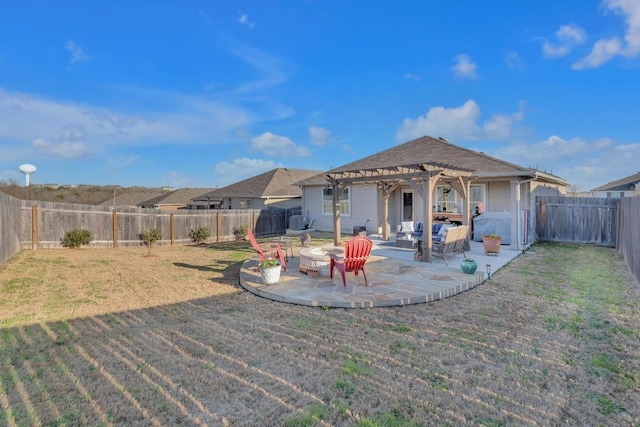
[206, 93]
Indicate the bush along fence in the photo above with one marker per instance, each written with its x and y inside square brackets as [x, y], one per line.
[44, 224]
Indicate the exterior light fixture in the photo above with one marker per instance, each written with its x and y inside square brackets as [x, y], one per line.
[489, 271]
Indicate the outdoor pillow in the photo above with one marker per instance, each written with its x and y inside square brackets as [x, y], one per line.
[419, 226]
[407, 226]
[443, 230]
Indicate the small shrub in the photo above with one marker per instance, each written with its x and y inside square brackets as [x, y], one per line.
[240, 232]
[149, 237]
[200, 235]
[76, 238]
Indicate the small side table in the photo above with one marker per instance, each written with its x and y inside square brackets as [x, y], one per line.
[286, 243]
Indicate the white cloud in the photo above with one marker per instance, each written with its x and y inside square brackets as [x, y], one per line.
[464, 68]
[278, 146]
[195, 120]
[242, 168]
[65, 149]
[500, 125]
[603, 51]
[609, 47]
[568, 36]
[460, 123]
[514, 61]
[77, 54]
[571, 34]
[411, 76]
[244, 20]
[587, 163]
[318, 135]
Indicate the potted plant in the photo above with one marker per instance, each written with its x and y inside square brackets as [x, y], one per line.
[270, 271]
[491, 243]
[468, 265]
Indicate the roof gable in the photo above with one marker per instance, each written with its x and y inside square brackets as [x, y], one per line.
[621, 184]
[431, 150]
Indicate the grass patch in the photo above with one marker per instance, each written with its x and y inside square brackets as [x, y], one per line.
[113, 337]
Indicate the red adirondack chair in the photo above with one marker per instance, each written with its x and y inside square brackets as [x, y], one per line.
[356, 253]
[267, 250]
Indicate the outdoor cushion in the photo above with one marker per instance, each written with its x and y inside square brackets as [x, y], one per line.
[406, 226]
[442, 233]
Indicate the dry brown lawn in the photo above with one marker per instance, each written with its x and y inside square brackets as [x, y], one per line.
[115, 337]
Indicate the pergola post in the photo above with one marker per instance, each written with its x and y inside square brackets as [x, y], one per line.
[428, 185]
[386, 189]
[336, 215]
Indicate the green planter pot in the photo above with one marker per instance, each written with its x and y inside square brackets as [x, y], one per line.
[468, 266]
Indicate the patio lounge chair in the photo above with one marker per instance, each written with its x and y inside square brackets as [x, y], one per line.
[356, 253]
[267, 250]
[452, 243]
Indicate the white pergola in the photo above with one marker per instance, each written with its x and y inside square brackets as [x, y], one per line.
[422, 177]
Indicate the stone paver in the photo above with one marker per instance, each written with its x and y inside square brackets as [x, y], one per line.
[394, 279]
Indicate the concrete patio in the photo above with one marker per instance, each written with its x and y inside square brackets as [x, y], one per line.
[394, 279]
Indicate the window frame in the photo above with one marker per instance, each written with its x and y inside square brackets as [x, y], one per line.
[327, 201]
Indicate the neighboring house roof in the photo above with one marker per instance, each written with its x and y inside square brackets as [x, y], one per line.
[277, 183]
[629, 183]
[180, 197]
[439, 151]
[132, 198]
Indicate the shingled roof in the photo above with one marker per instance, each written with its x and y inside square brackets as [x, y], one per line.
[181, 196]
[621, 184]
[133, 197]
[429, 150]
[273, 184]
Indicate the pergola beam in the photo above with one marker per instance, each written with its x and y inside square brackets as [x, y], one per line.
[422, 177]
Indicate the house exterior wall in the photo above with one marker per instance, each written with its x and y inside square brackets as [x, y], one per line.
[312, 208]
[608, 194]
[236, 203]
[283, 203]
[364, 205]
[498, 196]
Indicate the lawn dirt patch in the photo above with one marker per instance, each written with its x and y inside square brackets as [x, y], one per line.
[115, 337]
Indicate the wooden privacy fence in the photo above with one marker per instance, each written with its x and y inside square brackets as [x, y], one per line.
[9, 226]
[577, 219]
[629, 234]
[45, 223]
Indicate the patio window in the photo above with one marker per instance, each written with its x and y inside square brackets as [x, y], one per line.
[477, 196]
[344, 201]
[445, 198]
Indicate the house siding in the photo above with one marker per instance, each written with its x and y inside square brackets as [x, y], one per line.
[498, 196]
[284, 203]
[364, 205]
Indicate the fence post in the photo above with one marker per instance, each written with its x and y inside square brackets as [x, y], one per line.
[172, 226]
[218, 225]
[115, 229]
[34, 227]
[254, 221]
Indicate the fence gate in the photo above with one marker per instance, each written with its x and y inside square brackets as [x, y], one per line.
[577, 219]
